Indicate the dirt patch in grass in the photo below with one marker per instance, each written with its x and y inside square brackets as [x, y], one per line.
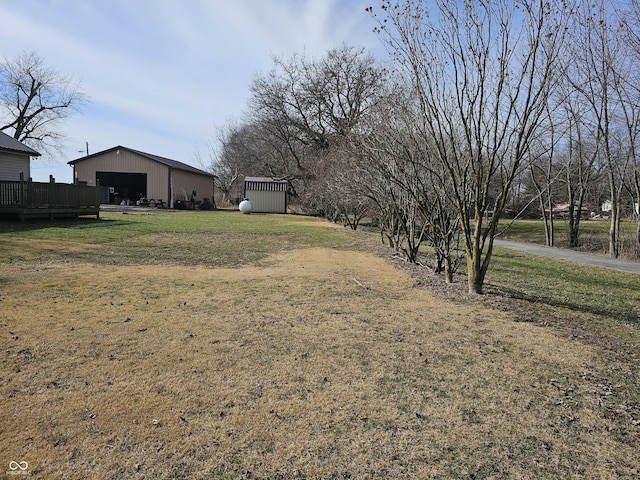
[315, 363]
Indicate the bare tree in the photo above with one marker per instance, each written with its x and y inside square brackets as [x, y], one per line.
[306, 106]
[577, 161]
[542, 182]
[627, 93]
[392, 159]
[225, 174]
[400, 155]
[35, 100]
[333, 194]
[225, 162]
[245, 149]
[631, 30]
[580, 168]
[484, 72]
[599, 62]
[543, 176]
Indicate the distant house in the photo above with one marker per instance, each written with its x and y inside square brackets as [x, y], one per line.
[562, 211]
[266, 195]
[128, 176]
[15, 158]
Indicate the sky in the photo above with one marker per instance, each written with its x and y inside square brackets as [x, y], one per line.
[162, 76]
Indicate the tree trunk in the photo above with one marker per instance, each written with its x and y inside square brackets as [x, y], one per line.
[549, 227]
[614, 226]
[448, 268]
[475, 274]
[476, 278]
[638, 236]
[637, 211]
[475, 281]
[614, 231]
[551, 241]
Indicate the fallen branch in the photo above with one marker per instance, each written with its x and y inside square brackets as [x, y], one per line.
[360, 283]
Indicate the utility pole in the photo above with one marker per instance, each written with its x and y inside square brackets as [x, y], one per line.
[87, 144]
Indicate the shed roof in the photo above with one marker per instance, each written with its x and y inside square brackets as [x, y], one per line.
[263, 179]
[156, 158]
[265, 184]
[10, 144]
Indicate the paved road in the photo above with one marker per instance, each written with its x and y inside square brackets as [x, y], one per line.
[571, 256]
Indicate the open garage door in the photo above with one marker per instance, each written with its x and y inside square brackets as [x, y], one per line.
[122, 187]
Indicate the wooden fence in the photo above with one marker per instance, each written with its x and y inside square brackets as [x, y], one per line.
[31, 199]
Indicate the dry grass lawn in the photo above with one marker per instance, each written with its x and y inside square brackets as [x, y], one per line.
[317, 363]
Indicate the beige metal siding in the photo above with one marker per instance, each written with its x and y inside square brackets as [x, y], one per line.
[11, 165]
[186, 182]
[127, 162]
[267, 202]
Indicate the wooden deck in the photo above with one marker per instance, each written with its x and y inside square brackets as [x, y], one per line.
[26, 199]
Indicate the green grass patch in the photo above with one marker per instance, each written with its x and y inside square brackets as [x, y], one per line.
[218, 238]
[116, 226]
[556, 282]
[582, 288]
[594, 234]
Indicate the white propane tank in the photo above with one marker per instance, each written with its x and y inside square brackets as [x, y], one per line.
[245, 206]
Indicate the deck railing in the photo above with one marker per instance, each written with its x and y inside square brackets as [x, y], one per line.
[27, 195]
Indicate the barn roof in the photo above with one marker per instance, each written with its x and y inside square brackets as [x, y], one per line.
[10, 144]
[156, 158]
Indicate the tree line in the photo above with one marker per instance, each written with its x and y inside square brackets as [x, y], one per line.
[487, 108]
